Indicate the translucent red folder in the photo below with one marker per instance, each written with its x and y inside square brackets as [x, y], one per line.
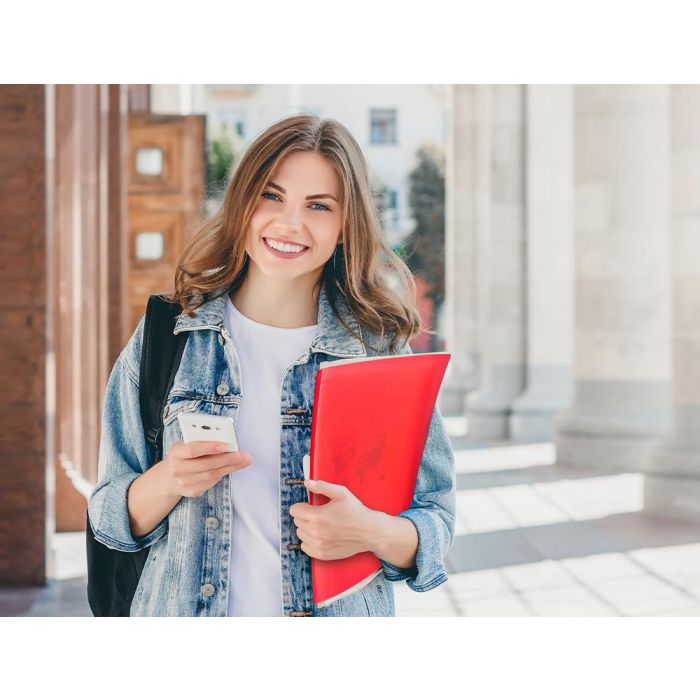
[369, 427]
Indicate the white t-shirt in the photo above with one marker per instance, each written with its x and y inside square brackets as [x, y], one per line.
[264, 353]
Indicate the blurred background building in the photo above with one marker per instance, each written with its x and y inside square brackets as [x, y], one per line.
[553, 232]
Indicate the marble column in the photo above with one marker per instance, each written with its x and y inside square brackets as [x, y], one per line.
[500, 260]
[622, 310]
[550, 261]
[672, 481]
[460, 250]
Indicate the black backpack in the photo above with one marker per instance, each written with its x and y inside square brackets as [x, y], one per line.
[113, 575]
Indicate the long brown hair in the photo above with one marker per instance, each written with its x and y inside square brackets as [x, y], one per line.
[375, 283]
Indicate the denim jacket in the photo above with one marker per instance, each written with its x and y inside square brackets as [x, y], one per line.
[187, 569]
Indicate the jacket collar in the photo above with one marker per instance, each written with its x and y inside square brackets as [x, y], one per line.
[332, 337]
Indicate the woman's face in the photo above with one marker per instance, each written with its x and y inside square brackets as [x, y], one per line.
[300, 206]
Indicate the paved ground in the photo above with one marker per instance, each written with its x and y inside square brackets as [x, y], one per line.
[532, 538]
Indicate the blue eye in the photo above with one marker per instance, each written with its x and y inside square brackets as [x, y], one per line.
[313, 204]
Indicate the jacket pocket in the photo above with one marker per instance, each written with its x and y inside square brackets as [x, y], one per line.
[177, 405]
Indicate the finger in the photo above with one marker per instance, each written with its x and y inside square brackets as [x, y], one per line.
[229, 459]
[209, 477]
[303, 535]
[325, 488]
[303, 510]
[310, 551]
[199, 448]
[300, 522]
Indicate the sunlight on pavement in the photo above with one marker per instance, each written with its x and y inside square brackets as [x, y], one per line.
[486, 459]
[520, 505]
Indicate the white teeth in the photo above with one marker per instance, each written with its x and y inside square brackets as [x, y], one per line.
[285, 247]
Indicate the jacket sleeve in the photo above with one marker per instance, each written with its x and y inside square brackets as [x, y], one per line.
[432, 509]
[123, 455]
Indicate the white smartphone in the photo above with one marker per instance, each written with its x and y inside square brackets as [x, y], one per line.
[202, 426]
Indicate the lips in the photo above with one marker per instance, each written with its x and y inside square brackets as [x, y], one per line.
[281, 254]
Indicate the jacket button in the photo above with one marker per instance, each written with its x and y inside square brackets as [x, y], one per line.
[166, 410]
[294, 545]
[300, 613]
[207, 590]
[212, 523]
[222, 389]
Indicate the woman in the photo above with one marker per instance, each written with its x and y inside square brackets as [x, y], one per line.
[291, 272]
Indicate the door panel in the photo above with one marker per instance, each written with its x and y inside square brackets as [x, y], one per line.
[165, 201]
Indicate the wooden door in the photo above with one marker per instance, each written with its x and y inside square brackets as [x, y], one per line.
[165, 201]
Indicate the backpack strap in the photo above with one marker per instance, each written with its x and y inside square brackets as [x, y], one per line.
[161, 353]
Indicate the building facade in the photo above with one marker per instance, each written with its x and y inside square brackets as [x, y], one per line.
[573, 274]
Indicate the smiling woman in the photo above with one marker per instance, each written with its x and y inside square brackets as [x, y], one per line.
[291, 225]
[292, 272]
[302, 182]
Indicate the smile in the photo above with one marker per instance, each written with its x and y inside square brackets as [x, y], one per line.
[284, 250]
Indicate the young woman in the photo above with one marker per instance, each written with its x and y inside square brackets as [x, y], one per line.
[291, 272]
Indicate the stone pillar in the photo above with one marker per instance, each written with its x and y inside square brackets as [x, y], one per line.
[622, 310]
[672, 484]
[460, 251]
[500, 260]
[550, 261]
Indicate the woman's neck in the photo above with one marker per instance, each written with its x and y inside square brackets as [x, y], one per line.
[278, 303]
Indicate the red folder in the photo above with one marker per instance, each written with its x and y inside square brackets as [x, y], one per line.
[369, 427]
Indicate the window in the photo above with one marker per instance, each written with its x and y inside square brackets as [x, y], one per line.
[389, 205]
[149, 245]
[382, 126]
[149, 161]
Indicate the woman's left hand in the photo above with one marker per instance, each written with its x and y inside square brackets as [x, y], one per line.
[340, 528]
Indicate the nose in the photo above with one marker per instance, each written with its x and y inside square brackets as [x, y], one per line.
[288, 223]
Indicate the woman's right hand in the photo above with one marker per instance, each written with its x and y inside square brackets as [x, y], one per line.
[191, 469]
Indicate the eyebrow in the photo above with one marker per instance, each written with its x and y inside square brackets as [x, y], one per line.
[311, 196]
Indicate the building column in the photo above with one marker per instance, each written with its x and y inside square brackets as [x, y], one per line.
[550, 261]
[460, 248]
[622, 310]
[672, 484]
[500, 259]
[26, 440]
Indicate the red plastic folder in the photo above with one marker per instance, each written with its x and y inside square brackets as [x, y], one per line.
[369, 427]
